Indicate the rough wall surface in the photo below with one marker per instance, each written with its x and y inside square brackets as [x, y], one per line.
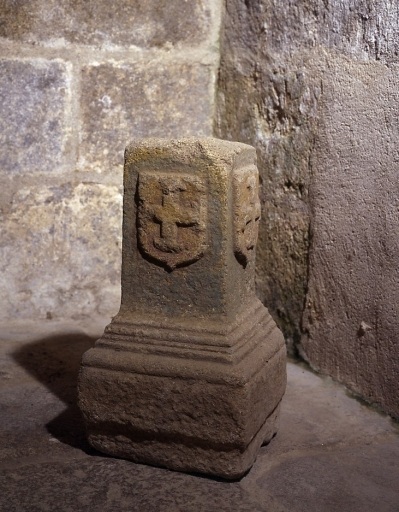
[351, 325]
[78, 81]
[267, 97]
[313, 84]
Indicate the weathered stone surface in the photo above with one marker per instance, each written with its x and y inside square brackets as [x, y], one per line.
[124, 102]
[60, 252]
[150, 23]
[190, 373]
[351, 319]
[268, 98]
[33, 100]
[183, 205]
[360, 29]
[282, 89]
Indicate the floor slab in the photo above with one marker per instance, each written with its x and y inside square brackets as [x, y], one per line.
[332, 453]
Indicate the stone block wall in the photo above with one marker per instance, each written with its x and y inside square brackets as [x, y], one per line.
[313, 84]
[78, 81]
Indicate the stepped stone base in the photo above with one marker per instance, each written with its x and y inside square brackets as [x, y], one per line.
[198, 398]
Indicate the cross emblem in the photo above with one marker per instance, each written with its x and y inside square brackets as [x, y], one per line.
[172, 214]
[171, 218]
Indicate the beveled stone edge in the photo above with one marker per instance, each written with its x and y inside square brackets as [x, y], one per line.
[182, 349]
[207, 144]
[252, 328]
[218, 328]
[235, 374]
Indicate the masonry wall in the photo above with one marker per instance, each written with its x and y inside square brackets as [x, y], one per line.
[314, 86]
[78, 81]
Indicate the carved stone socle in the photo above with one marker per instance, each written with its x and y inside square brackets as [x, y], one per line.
[190, 374]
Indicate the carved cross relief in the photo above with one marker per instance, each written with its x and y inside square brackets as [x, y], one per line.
[171, 218]
[246, 214]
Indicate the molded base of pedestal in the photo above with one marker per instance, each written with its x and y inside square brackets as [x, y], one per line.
[230, 464]
[183, 407]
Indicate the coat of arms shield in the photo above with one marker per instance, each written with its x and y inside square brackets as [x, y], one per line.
[171, 218]
[246, 213]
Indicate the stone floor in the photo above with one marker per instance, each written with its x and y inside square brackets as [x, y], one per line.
[332, 453]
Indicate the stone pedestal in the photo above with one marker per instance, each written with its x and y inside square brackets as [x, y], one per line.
[190, 374]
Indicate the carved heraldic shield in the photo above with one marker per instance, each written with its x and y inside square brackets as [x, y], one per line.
[246, 213]
[171, 218]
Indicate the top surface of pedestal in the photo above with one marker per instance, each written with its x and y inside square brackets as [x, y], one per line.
[191, 214]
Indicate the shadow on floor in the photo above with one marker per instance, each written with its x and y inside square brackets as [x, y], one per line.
[54, 361]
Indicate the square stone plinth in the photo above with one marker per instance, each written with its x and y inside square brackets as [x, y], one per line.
[190, 374]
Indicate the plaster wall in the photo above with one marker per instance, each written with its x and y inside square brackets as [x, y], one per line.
[313, 85]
